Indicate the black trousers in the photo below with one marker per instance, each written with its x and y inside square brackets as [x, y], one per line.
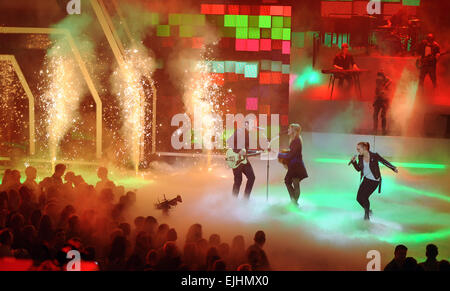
[292, 185]
[428, 70]
[247, 170]
[377, 107]
[366, 189]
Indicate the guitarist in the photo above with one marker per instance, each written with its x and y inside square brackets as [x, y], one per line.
[429, 51]
[235, 143]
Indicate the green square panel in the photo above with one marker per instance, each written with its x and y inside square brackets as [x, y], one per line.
[230, 21]
[266, 65]
[265, 33]
[198, 19]
[286, 34]
[154, 18]
[174, 19]
[242, 32]
[254, 32]
[276, 66]
[241, 20]
[187, 19]
[230, 67]
[186, 31]
[163, 30]
[287, 22]
[411, 2]
[277, 33]
[265, 21]
[219, 20]
[229, 32]
[286, 69]
[277, 21]
[253, 21]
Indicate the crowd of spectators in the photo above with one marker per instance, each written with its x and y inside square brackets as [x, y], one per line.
[40, 223]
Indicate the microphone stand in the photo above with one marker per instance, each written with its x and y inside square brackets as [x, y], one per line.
[269, 150]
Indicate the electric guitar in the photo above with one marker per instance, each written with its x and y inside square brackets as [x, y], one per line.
[234, 160]
[421, 61]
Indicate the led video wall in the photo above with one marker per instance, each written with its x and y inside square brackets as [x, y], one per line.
[251, 59]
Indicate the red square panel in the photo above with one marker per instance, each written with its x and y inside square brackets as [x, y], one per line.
[244, 10]
[276, 78]
[276, 10]
[226, 42]
[287, 11]
[218, 9]
[285, 78]
[264, 10]
[391, 8]
[206, 9]
[252, 45]
[360, 7]
[265, 78]
[197, 42]
[230, 77]
[217, 79]
[241, 45]
[186, 42]
[167, 42]
[254, 10]
[265, 44]
[336, 9]
[277, 44]
[233, 9]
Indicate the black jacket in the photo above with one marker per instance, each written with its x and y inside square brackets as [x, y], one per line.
[375, 158]
[296, 167]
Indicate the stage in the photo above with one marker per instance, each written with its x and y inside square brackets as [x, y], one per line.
[327, 231]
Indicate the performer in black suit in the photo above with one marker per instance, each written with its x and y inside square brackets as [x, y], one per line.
[370, 174]
[296, 168]
[429, 51]
[381, 103]
[234, 143]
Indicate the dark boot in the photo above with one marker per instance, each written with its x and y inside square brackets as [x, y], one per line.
[367, 214]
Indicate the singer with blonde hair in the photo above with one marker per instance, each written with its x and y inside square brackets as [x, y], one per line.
[294, 160]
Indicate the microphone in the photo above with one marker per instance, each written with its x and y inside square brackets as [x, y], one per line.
[349, 163]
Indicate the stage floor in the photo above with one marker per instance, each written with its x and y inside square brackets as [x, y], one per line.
[327, 231]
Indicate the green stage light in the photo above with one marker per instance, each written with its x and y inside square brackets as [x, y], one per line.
[402, 165]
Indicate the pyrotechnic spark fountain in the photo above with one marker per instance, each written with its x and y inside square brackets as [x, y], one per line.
[61, 98]
[130, 84]
[202, 99]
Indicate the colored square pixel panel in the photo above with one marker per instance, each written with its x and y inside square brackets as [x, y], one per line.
[251, 70]
[252, 104]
